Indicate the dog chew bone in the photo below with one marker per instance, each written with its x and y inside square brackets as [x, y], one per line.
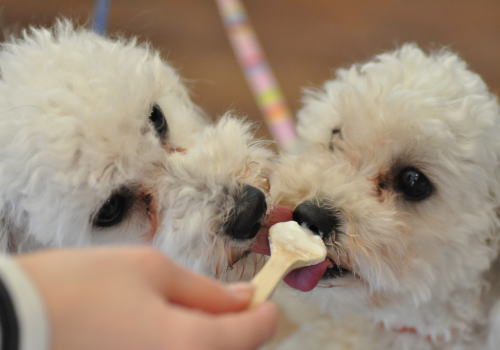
[292, 246]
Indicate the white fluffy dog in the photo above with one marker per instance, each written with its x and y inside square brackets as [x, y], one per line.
[100, 143]
[399, 174]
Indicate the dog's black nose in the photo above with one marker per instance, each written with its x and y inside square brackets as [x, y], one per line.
[318, 219]
[249, 210]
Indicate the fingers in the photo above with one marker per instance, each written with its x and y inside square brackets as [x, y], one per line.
[246, 330]
[183, 287]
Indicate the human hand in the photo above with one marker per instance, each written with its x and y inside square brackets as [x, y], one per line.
[136, 298]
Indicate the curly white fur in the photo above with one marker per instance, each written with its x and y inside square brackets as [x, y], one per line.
[430, 266]
[74, 129]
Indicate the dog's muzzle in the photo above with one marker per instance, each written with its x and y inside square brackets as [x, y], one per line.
[320, 220]
[246, 218]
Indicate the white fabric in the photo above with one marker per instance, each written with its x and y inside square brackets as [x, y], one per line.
[30, 310]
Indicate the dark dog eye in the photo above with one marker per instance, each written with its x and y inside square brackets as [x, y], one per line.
[414, 185]
[113, 210]
[159, 122]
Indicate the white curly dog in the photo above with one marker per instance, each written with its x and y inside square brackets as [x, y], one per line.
[400, 174]
[100, 144]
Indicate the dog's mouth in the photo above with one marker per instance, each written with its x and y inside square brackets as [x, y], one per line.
[261, 243]
[305, 278]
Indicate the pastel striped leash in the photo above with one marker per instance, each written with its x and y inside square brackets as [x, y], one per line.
[258, 73]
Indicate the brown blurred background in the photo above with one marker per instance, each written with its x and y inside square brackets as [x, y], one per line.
[304, 40]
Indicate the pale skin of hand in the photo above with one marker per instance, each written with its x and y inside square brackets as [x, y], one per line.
[136, 298]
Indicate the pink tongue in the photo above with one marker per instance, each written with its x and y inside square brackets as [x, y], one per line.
[306, 278]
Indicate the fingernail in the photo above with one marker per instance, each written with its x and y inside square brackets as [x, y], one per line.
[241, 290]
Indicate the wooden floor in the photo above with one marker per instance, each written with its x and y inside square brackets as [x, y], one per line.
[304, 40]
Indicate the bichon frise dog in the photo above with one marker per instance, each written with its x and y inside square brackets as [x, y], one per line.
[100, 143]
[399, 174]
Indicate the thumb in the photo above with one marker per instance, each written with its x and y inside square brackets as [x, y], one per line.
[248, 329]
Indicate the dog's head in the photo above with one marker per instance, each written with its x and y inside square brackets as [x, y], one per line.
[100, 143]
[400, 176]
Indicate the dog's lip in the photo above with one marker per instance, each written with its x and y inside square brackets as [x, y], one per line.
[335, 270]
[261, 242]
[277, 214]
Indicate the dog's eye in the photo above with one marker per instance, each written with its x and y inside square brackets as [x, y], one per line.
[414, 185]
[113, 210]
[159, 122]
